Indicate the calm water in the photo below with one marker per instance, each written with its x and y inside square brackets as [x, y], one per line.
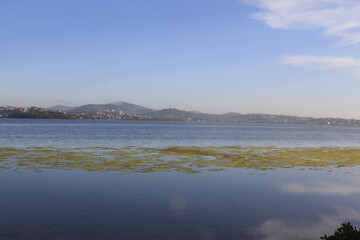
[68, 133]
[232, 204]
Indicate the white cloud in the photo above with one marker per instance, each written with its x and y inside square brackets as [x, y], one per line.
[275, 229]
[322, 62]
[323, 188]
[337, 18]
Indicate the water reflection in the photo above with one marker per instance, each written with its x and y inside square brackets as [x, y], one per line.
[207, 234]
[78, 205]
[344, 189]
[275, 229]
[178, 204]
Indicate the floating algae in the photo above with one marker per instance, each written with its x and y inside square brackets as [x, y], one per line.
[176, 158]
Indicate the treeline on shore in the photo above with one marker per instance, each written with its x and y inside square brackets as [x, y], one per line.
[40, 114]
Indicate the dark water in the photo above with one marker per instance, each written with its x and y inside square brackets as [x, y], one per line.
[234, 204]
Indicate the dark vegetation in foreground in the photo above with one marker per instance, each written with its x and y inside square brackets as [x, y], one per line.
[345, 232]
[184, 159]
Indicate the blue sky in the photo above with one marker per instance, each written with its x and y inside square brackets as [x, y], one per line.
[297, 57]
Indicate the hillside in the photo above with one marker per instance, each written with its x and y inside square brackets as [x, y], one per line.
[33, 112]
[116, 106]
[124, 110]
[61, 108]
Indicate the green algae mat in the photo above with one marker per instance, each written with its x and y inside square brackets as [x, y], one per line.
[176, 158]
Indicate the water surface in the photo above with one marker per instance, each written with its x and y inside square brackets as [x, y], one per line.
[235, 203]
[68, 133]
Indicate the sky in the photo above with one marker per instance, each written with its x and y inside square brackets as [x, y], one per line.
[294, 57]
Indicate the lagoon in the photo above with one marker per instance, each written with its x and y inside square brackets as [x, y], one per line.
[53, 201]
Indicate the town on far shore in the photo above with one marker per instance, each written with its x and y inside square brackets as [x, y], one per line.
[128, 111]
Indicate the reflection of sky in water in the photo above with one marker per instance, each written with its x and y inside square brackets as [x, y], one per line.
[275, 229]
[178, 204]
[234, 204]
[336, 193]
[347, 183]
[323, 188]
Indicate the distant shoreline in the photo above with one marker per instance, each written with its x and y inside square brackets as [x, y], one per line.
[127, 111]
[174, 120]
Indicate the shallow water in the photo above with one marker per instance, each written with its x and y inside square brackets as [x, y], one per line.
[236, 203]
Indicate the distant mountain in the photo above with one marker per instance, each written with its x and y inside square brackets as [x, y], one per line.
[124, 110]
[61, 108]
[117, 106]
[181, 115]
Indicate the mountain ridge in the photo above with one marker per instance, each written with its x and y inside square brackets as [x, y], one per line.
[61, 108]
[117, 106]
[115, 110]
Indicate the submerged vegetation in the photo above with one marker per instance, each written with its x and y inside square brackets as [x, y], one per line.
[176, 158]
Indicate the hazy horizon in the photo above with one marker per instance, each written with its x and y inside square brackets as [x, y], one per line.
[191, 110]
[289, 57]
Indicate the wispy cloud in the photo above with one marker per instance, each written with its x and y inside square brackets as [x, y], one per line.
[322, 62]
[337, 18]
[323, 188]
